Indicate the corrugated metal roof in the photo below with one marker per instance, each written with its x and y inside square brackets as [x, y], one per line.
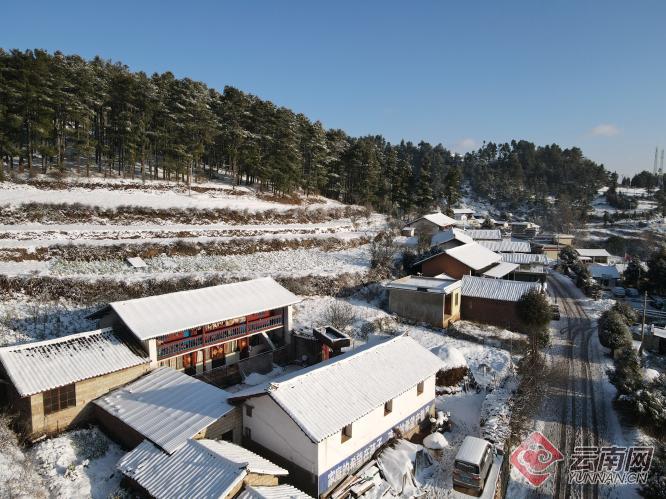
[484, 234]
[324, 398]
[194, 471]
[501, 269]
[447, 235]
[159, 315]
[604, 271]
[592, 252]
[524, 258]
[507, 246]
[463, 211]
[167, 406]
[278, 492]
[495, 289]
[431, 284]
[474, 255]
[254, 462]
[44, 365]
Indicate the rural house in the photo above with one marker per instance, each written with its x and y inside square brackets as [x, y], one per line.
[215, 330]
[428, 225]
[450, 238]
[606, 276]
[426, 299]
[531, 266]
[50, 383]
[463, 213]
[333, 416]
[593, 255]
[468, 259]
[493, 301]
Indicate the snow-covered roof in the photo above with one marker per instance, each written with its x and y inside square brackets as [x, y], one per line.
[44, 365]
[484, 234]
[438, 218]
[447, 235]
[451, 356]
[167, 406]
[463, 211]
[136, 262]
[524, 258]
[200, 468]
[324, 398]
[430, 284]
[592, 252]
[604, 271]
[159, 315]
[501, 269]
[474, 255]
[507, 246]
[284, 491]
[495, 289]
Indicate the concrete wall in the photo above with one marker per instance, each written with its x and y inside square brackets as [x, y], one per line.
[232, 421]
[424, 227]
[444, 263]
[423, 306]
[494, 312]
[86, 391]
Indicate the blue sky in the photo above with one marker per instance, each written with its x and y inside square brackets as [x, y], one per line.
[581, 72]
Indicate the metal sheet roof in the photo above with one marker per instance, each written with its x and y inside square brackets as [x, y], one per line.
[278, 492]
[447, 235]
[604, 271]
[592, 252]
[524, 258]
[194, 471]
[431, 284]
[254, 462]
[44, 365]
[167, 406]
[159, 315]
[474, 255]
[507, 246]
[324, 398]
[501, 269]
[438, 218]
[495, 289]
[484, 234]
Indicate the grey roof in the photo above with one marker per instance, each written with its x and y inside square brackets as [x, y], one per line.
[277, 492]
[254, 462]
[324, 398]
[430, 284]
[495, 289]
[199, 469]
[507, 246]
[437, 218]
[471, 450]
[447, 235]
[159, 315]
[484, 234]
[44, 365]
[592, 252]
[524, 258]
[501, 269]
[604, 271]
[167, 406]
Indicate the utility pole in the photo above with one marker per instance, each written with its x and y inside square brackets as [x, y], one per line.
[640, 349]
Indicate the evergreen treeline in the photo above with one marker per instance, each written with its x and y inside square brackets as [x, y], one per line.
[60, 112]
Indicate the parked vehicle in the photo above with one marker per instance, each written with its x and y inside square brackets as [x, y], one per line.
[555, 312]
[472, 465]
[619, 292]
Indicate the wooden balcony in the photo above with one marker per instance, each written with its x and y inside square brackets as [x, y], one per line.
[218, 336]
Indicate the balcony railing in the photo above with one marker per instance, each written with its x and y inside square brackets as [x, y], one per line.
[218, 336]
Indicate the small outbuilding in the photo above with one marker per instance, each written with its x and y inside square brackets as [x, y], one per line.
[606, 276]
[429, 224]
[426, 299]
[593, 255]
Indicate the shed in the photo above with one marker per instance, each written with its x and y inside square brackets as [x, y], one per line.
[426, 299]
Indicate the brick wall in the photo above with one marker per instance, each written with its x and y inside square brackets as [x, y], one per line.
[444, 263]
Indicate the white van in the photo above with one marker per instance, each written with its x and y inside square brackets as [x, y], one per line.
[472, 465]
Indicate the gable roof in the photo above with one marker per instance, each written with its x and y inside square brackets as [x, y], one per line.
[524, 258]
[485, 234]
[430, 284]
[495, 289]
[324, 398]
[501, 269]
[592, 252]
[158, 315]
[45, 365]
[447, 235]
[507, 246]
[437, 218]
[167, 407]
[284, 491]
[604, 271]
[200, 468]
[463, 211]
[474, 255]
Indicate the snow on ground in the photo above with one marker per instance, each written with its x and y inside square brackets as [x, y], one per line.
[79, 463]
[17, 194]
[18, 476]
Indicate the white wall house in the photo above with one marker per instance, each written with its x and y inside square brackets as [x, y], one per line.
[327, 420]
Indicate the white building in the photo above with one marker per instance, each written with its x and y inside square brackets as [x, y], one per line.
[324, 422]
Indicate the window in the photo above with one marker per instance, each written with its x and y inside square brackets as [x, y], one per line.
[388, 407]
[346, 433]
[248, 411]
[419, 388]
[248, 433]
[59, 399]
